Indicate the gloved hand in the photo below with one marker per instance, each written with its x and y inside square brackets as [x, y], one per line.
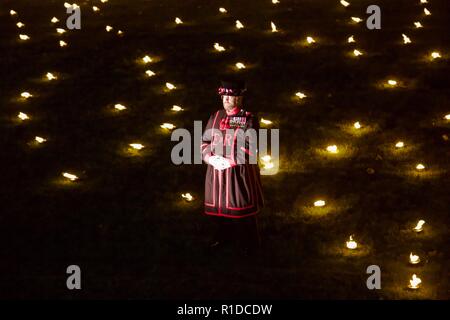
[219, 162]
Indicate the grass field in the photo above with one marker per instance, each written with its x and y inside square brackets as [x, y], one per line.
[124, 221]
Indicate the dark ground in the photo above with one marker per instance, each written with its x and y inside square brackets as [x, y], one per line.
[124, 222]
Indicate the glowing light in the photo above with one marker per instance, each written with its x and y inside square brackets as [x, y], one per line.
[426, 11]
[356, 19]
[319, 203]
[415, 282]
[136, 146]
[104, 1]
[223, 10]
[265, 121]
[69, 176]
[447, 117]
[178, 20]
[274, 27]
[239, 25]
[187, 196]
[39, 139]
[268, 165]
[310, 40]
[120, 32]
[20, 25]
[150, 73]
[24, 37]
[12, 12]
[50, 76]
[420, 167]
[351, 39]
[266, 158]
[170, 86]
[23, 116]
[147, 59]
[108, 28]
[351, 244]
[357, 53]
[301, 95]
[400, 144]
[176, 108]
[406, 39]
[275, 1]
[435, 55]
[60, 30]
[218, 47]
[240, 65]
[414, 259]
[95, 9]
[54, 20]
[419, 226]
[26, 95]
[68, 5]
[119, 107]
[418, 25]
[392, 83]
[357, 125]
[62, 43]
[167, 126]
[423, 1]
[345, 3]
[332, 149]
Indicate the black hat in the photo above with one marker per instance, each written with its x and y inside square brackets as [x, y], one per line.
[232, 87]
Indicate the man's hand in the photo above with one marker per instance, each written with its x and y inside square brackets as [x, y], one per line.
[219, 162]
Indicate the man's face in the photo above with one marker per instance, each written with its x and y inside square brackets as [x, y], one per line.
[229, 102]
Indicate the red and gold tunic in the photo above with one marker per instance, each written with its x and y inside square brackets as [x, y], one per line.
[235, 192]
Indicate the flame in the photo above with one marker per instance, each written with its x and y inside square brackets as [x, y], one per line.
[39, 139]
[23, 116]
[95, 9]
[392, 83]
[427, 12]
[178, 20]
[400, 144]
[147, 59]
[301, 95]
[54, 20]
[435, 55]
[150, 73]
[351, 244]
[345, 3]
[356, 19]
[168, 126]
[223, 10]
[187, 196]
[26, 95]
[60, 30]
[108, 28]
[417, 24]
[265, 121]
[274, 27]
[357, 125]
[447, 117]
[266, 158]
[420, 166]
[406, 39]
[414, 259]
[24, 37]
[351, 39]
[357, 53]
[310, 40]
[319, 203]
[218, 47]
[69, 176]
[240, 65]
[20, 25]
[423, 1]
[275, 1]
[50, 76]
[170, 86]
[419, 226]
[62, 43]
[415, 282]
[136, 146]
[239, 25]
[332, 149]
[119, 107]
[176, 108]
[12, 12]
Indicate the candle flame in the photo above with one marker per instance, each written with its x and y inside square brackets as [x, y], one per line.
[351, 39]
[12, 12]
[176, 108]
[447, 117]
[24, 37]
[414, 259]
[351, 244]
[170, 86]
[60, 30]
[392, 83]
[274, 27]
[240, 65]
[301, 95]
[54, 20]
[50, 76]
[26, 95]
[435, 55]
[119, 107]
[95, 9]
[239, 25]
[319, 203]
[69, 176]
[147, 59]
[417, 24]
[178, 20]
[420, 166]
[223, 10]
[20, 25]
[332, 149]
[345, 3]
[168, 126]
[265, 121]
[136, 146]
[108, 28]
[419, 226]
[310, 40]
[218, 47]
[357, 53]
[406, 39]
[357, 125]
[400, 144]
[23, 116]
[356, 19]
[426, 11]
[415, 282]
[149, 73]
[39, 139]
[62, 43]
[187, 196]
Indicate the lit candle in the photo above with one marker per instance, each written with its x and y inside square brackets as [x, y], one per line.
[26, 95]
[104, 1]
[414, 259]
[95, 9]
[392, 83]
[178, 20]
[351, 39]
[266, 158]
[170, 86]
[150, 73]
[69, 176]
[147, 59]
[415, 282]
[108, 28]
[400, 144]
[345, 3]
[50, 76]
[423, 1]
[120, 32]
[319, 203]
[12, 12]
[39, 139]
[447, 117]
[239, 25]
[54, 20]
[24, 37]
[23, 116]
[20, 25]
[301, 95]
[265, 121]
[406, 39]
[357, 125]
[176, 108]
[60, 30]
[268, 165]
[332, 149]
[167, 126]
[357, 53]
[240, 65]
[274, 27]
[418, 25]
[356, 19]
[223, 10]
[275, 1]
[218, 47]
[420, 167]
[119, 107]
[435, 55]
[351, 244]
[426, 11]
[136, 146]
[419, 226]
[310, 40]
[62, 43]
[187, 196]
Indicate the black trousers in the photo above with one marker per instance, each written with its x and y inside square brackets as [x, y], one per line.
[242, 233]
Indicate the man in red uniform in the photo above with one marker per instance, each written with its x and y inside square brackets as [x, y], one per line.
[233, 192]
